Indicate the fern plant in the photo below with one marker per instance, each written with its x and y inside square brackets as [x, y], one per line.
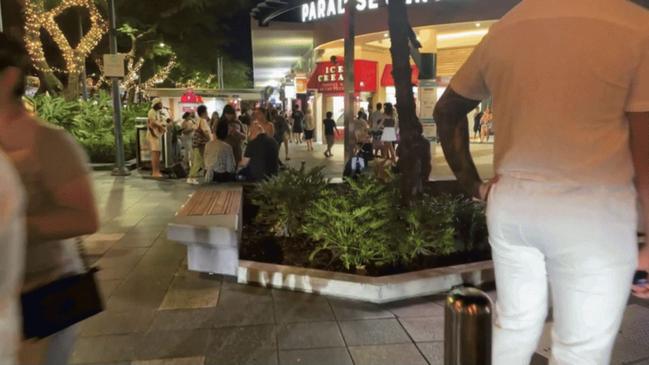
[284, 199]
[355, 227]
[428, 229]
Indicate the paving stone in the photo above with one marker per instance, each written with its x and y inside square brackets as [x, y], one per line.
[433, 351]
[253, 357]
[107, 287]
[117, 256]
[97, 248]
[114, 273]
[116, 323]
[417, 308]
[373, 332]
[346, 310]
[183, 319]
[190, 290]
[171, 344]
[200, 360]
[299, 307]
[333, 356]
[404, 354]
[240, 340]
[229, 314]
[309, 335]
[424, 329]
[104, 349]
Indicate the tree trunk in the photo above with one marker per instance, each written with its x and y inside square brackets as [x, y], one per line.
[414, 150]
[72, 89]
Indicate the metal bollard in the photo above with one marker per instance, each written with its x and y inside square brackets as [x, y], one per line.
[467, 327]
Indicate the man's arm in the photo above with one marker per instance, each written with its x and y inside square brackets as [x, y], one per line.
[639, 124]
[452, 124]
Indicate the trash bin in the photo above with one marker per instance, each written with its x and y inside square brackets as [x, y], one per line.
[467, 327]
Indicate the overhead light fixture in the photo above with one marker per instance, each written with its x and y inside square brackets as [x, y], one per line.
[477, 25]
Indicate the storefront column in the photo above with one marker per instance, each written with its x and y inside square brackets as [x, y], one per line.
[428, 81]
[350, 97]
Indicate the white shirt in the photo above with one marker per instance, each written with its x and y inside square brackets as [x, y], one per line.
[12, 258]
[562, 73]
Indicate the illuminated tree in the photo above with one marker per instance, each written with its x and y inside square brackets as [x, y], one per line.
[37, 19]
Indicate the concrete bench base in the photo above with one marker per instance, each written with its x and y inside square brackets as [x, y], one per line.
[209, 224]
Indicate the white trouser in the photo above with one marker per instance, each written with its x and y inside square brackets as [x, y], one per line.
[583, 241]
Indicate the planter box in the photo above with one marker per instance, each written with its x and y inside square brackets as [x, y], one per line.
[377, 290]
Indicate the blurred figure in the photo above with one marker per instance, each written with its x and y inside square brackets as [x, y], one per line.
[261, 154]
[330, 131]
[261, 122]
[201, 138]
[54, 172]
[156, 128]
[12, 256]
[485, 125]
[389, 136]
[188, 127]
[281, 131]
[220, 164]
[359, 133]
[297, 118]
[309, 129]
[214, 120]
[236, 135]
[477, 119]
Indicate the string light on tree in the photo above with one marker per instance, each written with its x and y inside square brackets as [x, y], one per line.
[162, 74]
[36, 18]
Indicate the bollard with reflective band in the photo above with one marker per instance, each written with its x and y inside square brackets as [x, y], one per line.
[467, 328]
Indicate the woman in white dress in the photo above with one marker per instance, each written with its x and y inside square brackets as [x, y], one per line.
[389, 137]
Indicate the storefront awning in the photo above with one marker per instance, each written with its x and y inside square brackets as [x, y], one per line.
[329, 78]
[388, 80]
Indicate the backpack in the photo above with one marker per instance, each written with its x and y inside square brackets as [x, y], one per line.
[355, 167]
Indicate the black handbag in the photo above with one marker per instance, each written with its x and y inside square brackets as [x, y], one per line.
[61, 304]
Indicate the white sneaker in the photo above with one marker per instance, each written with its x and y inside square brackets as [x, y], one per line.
[192, 181]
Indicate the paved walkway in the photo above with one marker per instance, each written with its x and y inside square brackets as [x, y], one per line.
[482, 154]
[158, 313]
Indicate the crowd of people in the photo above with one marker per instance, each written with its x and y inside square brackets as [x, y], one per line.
[253, 136]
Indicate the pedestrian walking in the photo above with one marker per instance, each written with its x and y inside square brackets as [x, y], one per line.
[485, 125]
[477, 118]
[309, 129]
[282, 131]
[297, 118]
[53, 170]
[389, 135]
[330, 132]
[571, 158]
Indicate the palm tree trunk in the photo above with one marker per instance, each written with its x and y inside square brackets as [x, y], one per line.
[414, 150]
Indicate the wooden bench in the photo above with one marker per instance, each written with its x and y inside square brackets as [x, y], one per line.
[210, 224]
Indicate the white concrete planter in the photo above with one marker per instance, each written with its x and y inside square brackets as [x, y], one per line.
[378, 290]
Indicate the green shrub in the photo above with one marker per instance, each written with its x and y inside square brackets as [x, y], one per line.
[354, 228]
[91, 123]
[428, 229]
[284, 198]
[366, 227]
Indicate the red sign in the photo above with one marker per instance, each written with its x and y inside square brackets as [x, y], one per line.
[189, 97]
[329, 78]
[388, 80]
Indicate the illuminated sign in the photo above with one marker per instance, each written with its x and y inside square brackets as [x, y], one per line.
[321, 9]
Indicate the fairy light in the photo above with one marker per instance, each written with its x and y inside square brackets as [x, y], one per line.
[36, 18]
[162, 74]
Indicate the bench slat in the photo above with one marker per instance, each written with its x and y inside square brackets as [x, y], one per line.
[211, 202]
